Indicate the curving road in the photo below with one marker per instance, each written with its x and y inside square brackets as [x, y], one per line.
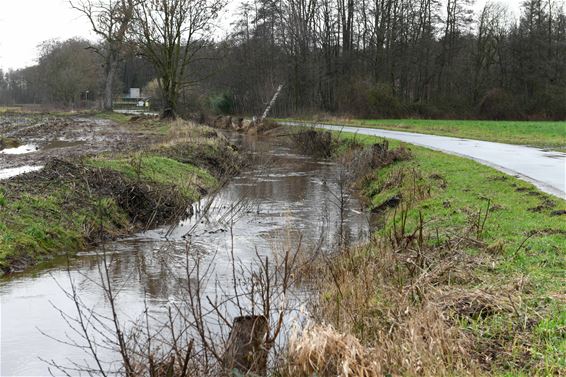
[545, 169]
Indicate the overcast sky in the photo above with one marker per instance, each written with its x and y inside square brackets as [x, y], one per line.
[24, 24]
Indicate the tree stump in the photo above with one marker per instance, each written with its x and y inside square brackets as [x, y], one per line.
[245, 349]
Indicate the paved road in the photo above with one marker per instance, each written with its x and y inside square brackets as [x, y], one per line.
[545, 169]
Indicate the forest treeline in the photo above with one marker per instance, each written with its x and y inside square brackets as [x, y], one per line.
[363, 58]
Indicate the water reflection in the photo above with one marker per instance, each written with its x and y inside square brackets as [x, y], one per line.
[12, 172]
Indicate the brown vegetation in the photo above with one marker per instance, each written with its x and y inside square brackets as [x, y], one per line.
[396, 308]
[314, 142]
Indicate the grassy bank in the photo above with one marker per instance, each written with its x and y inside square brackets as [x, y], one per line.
[544, 134]
[465, 275]
[71, 205]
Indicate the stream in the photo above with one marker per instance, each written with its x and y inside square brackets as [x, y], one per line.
[284, 199]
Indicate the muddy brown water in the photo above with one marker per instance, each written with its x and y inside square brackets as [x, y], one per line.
[283, 198]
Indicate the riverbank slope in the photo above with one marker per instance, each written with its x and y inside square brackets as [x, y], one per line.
[87, 195]
[464, 275]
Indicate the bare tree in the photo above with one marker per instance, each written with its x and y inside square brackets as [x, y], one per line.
[111, 21]
[169, 33]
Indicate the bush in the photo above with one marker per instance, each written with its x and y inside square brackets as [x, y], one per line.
[362, 98]
[550, 103]
[314, 142]
[498, 104]
[222, 104]
[383, 102]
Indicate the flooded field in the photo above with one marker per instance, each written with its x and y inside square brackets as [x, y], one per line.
[40, 138]
[283, 199]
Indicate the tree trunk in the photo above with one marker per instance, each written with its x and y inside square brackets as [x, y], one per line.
[109, 84]
[246, 350]
[169, 98]
[168, 111]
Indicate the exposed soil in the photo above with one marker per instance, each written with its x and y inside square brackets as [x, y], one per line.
[66, 137]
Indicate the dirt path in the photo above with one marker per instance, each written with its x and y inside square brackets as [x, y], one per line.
[44, 137]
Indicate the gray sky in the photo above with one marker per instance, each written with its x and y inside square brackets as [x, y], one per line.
[24, 24]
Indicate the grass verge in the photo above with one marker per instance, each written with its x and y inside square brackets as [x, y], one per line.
[543, 134]
[70, 205]
[465, 276]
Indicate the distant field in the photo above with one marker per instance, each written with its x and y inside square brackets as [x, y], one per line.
[551, 135]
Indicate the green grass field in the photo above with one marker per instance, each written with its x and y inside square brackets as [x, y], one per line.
[544, 134]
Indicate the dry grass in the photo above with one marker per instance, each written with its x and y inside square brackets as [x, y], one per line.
[405, 305]
[387, 298]
[183, 131]
[321, 350]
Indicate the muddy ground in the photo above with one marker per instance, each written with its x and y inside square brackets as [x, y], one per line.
[40, 138]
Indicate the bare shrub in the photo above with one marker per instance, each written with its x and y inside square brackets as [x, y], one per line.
[314, 142]
[499, 104]
[197, 337]
[361, 161]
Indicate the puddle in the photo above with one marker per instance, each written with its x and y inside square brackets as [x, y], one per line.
[53, 144]
[137, 112]
[22, 149]
[12, 172]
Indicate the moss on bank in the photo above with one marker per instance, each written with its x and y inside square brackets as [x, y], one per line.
[68, 206]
